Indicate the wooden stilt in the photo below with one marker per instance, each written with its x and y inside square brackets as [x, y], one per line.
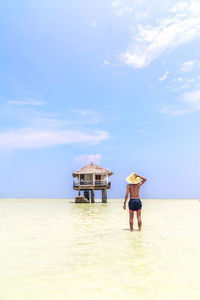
[104, 196]
[87, 194]
[92, 196]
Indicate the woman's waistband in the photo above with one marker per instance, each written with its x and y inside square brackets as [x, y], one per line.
[135, 199]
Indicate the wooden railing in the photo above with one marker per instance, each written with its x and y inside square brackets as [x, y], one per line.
[91, 183]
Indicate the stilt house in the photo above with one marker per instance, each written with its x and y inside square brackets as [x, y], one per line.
[91, 178]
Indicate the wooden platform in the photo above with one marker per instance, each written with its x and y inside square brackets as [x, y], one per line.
[86, 186]
[81, 199]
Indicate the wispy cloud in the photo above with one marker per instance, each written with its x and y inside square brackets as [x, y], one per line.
[93, 23]
[30, 126]
[92, 115]
[187, 66]
[165, 75]
[182, 83]
[123, 6]
[128, 9]
[27, 101]
[109, 63]
[30, 138]
[141, 15]
[87, 158]
[23, 96]
[82, 112]
[192, 98]
[115, 3]
[142, 123]
[149, 42]
[183, 76]
[188, 103]
[141, 131]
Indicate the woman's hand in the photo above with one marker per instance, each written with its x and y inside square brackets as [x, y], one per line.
[136, 175]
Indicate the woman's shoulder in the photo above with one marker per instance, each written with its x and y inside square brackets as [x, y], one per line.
[129, 185]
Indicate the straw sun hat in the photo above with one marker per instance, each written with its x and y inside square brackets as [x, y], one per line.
[133, 179]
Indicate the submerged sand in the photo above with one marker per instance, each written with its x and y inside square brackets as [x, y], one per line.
[56, 249]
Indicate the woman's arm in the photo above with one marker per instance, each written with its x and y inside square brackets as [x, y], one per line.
[143, 179]
[126, 196]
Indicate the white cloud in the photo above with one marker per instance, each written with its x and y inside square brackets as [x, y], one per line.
[93, 24]
[123, 10]
[109, 63]
[141, 131]
[187, 84]
[119, 12]
[29, 126]
[88, 158]
[106, 62]
[141, 15]
[89, 114]
[178, 79]
[115, 3]
[174, 110]
[30, 138]
[187, 66]
[28, 101]
[23, 96]
[192, 97]
[164, 76]
[128, 9]
[48, 122]
[122, 7]
[130, 6]
[82, 112]
[142, 123]
[180, 83]
[188, 103]
[149, 42]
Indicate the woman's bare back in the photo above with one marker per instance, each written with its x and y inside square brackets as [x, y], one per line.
[134, 190]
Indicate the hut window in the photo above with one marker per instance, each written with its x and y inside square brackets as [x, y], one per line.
[82, 177]
[98, 177]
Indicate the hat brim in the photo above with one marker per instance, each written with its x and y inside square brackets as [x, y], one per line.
[135, 180]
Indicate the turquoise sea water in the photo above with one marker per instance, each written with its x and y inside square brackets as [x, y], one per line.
[56, 249]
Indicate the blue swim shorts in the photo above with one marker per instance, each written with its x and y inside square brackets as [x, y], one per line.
[134, 204]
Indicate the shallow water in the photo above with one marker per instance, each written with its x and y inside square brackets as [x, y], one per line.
[56, 249]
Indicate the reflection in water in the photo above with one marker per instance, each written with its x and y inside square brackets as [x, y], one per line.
[56, 249]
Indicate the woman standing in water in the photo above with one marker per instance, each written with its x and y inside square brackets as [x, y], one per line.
[133, 188]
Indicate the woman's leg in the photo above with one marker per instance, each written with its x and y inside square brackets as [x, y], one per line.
[131, 215]
[139, 219]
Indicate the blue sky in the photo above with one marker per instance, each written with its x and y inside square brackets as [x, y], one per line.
[113, 82]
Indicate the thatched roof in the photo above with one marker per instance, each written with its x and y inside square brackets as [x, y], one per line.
[92, 169]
